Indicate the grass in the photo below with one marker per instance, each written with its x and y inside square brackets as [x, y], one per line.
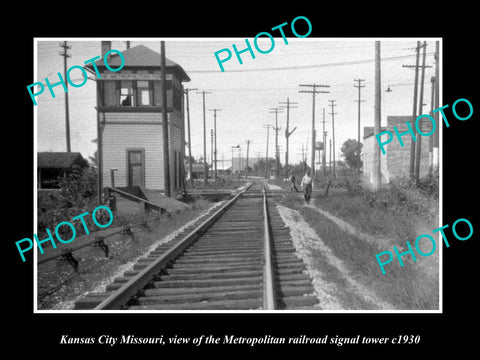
[398, 213]
[408, 287]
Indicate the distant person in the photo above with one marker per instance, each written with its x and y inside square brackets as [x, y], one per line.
[307, 186]
[292, 183]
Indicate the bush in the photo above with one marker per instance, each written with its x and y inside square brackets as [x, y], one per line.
[80, 185]
[77, 195]
[402, 196]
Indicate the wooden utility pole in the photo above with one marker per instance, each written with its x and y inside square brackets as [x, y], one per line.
[248, 147]
[267, 169]
[430, 140]
[414, 115]
[359, 86]
[413, 146]
[215, 139]
[189, 138]
[166, 148]
[333, 113]
[436, 154]
[330, 158]
[67, 114]
[314, 91]
[302, 153]
[211, 148]
[288, 106]
[377, 175]
[324, 134]
[420, 110]
[205, 167]
[276, 128]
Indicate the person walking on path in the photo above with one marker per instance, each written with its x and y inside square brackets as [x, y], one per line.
[292, 183]
[307, 184]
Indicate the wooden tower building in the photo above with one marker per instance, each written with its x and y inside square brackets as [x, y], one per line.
[129, 119]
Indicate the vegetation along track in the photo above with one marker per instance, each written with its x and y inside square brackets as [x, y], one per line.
[239, 258]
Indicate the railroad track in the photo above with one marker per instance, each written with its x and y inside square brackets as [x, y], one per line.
[239, 258]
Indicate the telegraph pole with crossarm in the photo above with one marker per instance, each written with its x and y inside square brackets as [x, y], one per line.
[359, 86]
[313, 91]
[276, 128]
[289, 105]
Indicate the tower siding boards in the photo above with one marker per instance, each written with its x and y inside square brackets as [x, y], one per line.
[138, 131]
[396, 162]
[120, 137]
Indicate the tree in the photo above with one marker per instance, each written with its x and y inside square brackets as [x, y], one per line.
[351, 152]
[259, 166]
[94, 158]
[192, 159]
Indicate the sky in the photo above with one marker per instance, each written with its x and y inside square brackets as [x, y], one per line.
[245, 92]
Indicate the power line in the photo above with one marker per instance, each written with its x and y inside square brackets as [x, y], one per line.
[297, 67]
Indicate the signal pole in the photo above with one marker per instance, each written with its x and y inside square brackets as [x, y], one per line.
[359, 86]
[287, 133]
[67, 118]
[314, 91]
[333, 113]
[189, 139]
[276, 128]
[205, 168]
[215, 138]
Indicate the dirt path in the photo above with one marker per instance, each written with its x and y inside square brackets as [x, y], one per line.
[332, 294]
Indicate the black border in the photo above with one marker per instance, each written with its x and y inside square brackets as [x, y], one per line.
[42, 332]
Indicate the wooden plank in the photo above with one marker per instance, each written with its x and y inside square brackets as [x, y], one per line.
[162, 201]
[195, 297]
[243, 304]
[136, 198]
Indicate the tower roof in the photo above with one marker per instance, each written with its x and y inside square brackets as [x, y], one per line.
[141, 56]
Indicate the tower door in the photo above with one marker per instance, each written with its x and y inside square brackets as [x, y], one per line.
[136, 163]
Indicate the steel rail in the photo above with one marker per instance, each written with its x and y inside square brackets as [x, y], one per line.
[269, 302]
[128, 290]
